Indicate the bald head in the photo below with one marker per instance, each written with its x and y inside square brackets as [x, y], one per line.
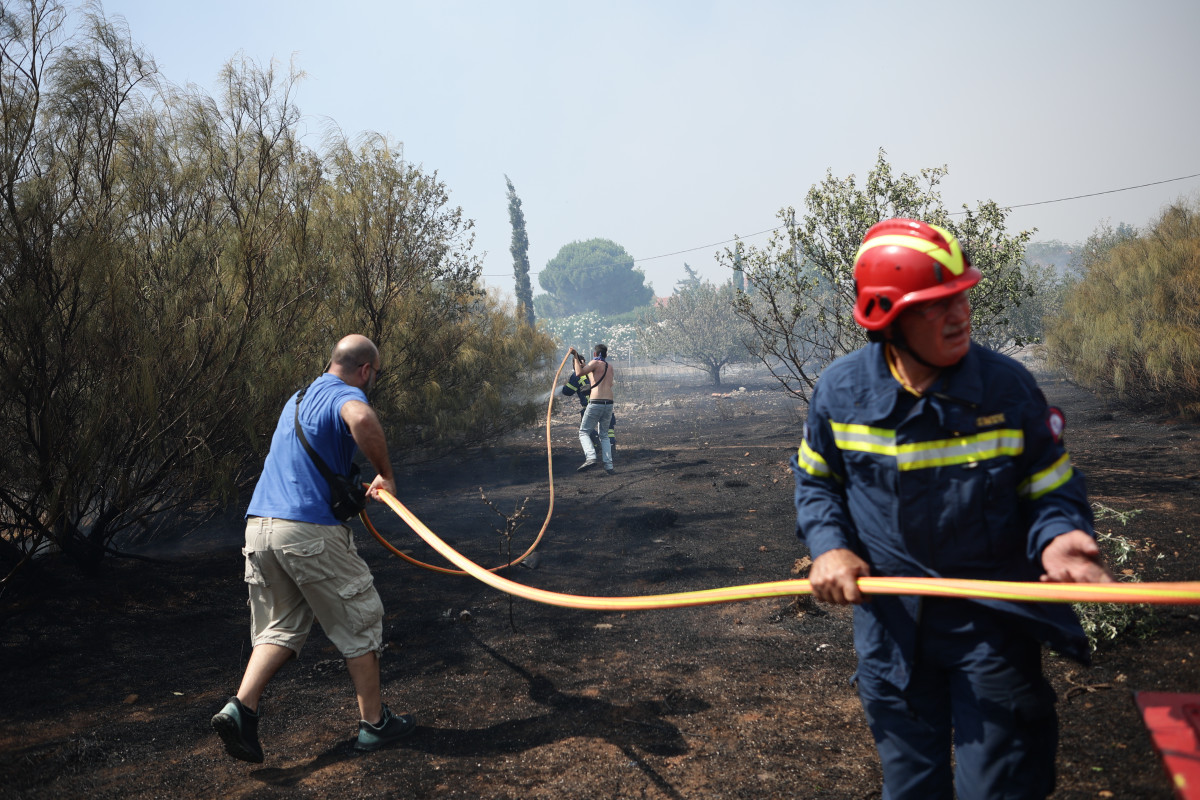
[350, 354]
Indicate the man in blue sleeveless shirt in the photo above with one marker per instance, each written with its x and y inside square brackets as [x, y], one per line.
[301, 562]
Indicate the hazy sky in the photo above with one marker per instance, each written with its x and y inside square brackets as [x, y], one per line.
[668, 126]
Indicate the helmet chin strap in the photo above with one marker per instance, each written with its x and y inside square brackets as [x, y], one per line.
[897, 340]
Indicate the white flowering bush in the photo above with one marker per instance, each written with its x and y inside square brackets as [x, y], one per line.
[581, 331]
[622, 340]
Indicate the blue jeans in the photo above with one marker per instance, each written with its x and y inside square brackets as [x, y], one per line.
[596, 414]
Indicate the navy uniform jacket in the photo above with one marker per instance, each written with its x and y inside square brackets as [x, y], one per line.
[970, 480]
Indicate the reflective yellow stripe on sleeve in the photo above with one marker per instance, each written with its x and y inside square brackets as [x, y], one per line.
[1042, 483]
[864, 438]
[813, 463]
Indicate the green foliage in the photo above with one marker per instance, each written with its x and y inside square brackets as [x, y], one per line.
[1005, 286]
[631, 317]
[1049, 286]
[138, 286]
[404, 257]
[1095, 249]
[175, 265]
[483, 389]
[1054, 254]
[520, 254]
[690, 280]
[739, 273]
[1052, 269]
[801, 295]
[545, 307]
[1130, 328]
[1104, 622]
[596, 275]
[698, 328]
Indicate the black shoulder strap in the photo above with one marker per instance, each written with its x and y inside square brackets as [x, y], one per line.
[322, 467]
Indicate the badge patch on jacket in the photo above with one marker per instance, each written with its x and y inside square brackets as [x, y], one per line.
[989, 421]
[1056, 422]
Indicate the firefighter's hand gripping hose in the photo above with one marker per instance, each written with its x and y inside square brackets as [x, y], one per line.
[1183, 593]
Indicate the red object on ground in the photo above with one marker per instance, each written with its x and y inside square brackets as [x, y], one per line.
[1174, 724]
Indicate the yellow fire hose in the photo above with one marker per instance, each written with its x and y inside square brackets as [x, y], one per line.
[1152, 593]
[1179, 593]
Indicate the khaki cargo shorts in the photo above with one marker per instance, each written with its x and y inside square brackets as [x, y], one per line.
[299, 570]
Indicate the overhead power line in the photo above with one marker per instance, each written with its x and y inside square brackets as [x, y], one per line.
[953, 213]
[1097, 194]
[706, 246]
[1019, 205]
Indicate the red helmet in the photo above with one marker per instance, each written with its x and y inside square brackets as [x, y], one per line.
[902, 262]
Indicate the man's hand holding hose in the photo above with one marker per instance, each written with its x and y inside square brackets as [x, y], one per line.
[368, 435]
[834, 577]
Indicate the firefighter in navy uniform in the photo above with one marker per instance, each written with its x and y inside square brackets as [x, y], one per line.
[928, 455]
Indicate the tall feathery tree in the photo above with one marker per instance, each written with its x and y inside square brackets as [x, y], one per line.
[173, 266]
[520, 254]
[142, 274]
[1129, 328]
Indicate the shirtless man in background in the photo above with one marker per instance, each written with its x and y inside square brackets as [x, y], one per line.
[600, 405]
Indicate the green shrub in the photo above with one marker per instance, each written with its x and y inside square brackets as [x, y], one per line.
[1104, 622]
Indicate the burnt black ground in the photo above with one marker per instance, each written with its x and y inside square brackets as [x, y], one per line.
[107, 683]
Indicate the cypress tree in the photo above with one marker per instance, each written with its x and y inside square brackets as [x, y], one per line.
[520, 253]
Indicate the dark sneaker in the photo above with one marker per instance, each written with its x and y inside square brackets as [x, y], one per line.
[390, 729]
[591, 462]
[610, 471]
[238, 728]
